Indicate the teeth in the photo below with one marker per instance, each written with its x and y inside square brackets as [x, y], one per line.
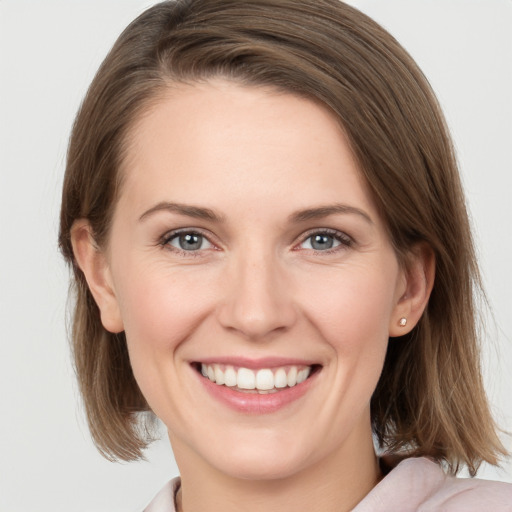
[245, 379]
[265, 380]
[292, 377]
[280, 380]
[230, 377]
[219, 375]
[302, 375]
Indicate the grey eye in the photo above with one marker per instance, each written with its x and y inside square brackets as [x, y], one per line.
[321, 242]
[190, 242]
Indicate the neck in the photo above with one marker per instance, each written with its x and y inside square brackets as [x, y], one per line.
[335, 483]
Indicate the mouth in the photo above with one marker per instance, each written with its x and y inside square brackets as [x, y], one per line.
[261, 381]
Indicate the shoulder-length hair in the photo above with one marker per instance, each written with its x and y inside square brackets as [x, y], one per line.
[430, 399]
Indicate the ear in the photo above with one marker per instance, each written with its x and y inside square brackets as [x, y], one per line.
[417, 283]
[93, 263]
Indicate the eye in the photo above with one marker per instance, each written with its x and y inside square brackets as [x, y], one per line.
[189, 241]
[325, 241]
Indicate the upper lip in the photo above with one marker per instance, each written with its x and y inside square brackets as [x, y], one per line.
[255, 364]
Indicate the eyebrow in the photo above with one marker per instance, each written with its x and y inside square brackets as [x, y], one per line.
[324, 211]
[199, 212]
[184, 209]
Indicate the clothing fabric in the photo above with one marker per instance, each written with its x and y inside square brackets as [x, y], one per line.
[414, 485]
[420, 485]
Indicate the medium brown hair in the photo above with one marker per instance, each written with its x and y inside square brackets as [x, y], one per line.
[430, 398]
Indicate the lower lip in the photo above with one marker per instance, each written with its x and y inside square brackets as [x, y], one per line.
[256, 403]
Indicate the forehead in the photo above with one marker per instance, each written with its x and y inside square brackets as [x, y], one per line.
[217, 138]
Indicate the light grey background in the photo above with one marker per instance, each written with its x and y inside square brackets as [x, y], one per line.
[49, 52]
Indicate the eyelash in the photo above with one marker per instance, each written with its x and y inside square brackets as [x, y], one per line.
[344, 240]
[168, 237]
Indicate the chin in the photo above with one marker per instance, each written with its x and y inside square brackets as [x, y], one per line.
[262, 461]
[258, 468]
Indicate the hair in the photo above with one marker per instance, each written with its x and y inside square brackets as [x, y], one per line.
[430, 399]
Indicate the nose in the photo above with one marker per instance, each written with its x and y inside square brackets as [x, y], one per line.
[258, 299]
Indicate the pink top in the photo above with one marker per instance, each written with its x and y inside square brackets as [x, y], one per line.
[414, 485]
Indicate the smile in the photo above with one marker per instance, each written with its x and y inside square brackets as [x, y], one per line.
[254, 386]
[261, 381]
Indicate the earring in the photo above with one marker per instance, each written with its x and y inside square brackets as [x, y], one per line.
[402, 322]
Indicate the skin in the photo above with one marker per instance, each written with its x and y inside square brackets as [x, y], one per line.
[255, 288]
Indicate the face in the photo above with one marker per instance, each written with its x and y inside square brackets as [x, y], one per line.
[246, 247]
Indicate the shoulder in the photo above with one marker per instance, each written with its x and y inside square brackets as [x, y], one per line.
[164, 500]
[470, 494]
[418, 484]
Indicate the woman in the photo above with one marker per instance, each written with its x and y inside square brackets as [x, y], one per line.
[272, 254]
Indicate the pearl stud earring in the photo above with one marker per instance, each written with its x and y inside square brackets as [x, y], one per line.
[402, 322]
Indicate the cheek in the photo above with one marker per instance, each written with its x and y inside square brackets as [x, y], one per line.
[158, 311]
[356, 307]
[353, 318]
[160, 307]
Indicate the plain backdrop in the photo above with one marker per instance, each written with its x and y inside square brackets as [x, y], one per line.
[49, 52]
